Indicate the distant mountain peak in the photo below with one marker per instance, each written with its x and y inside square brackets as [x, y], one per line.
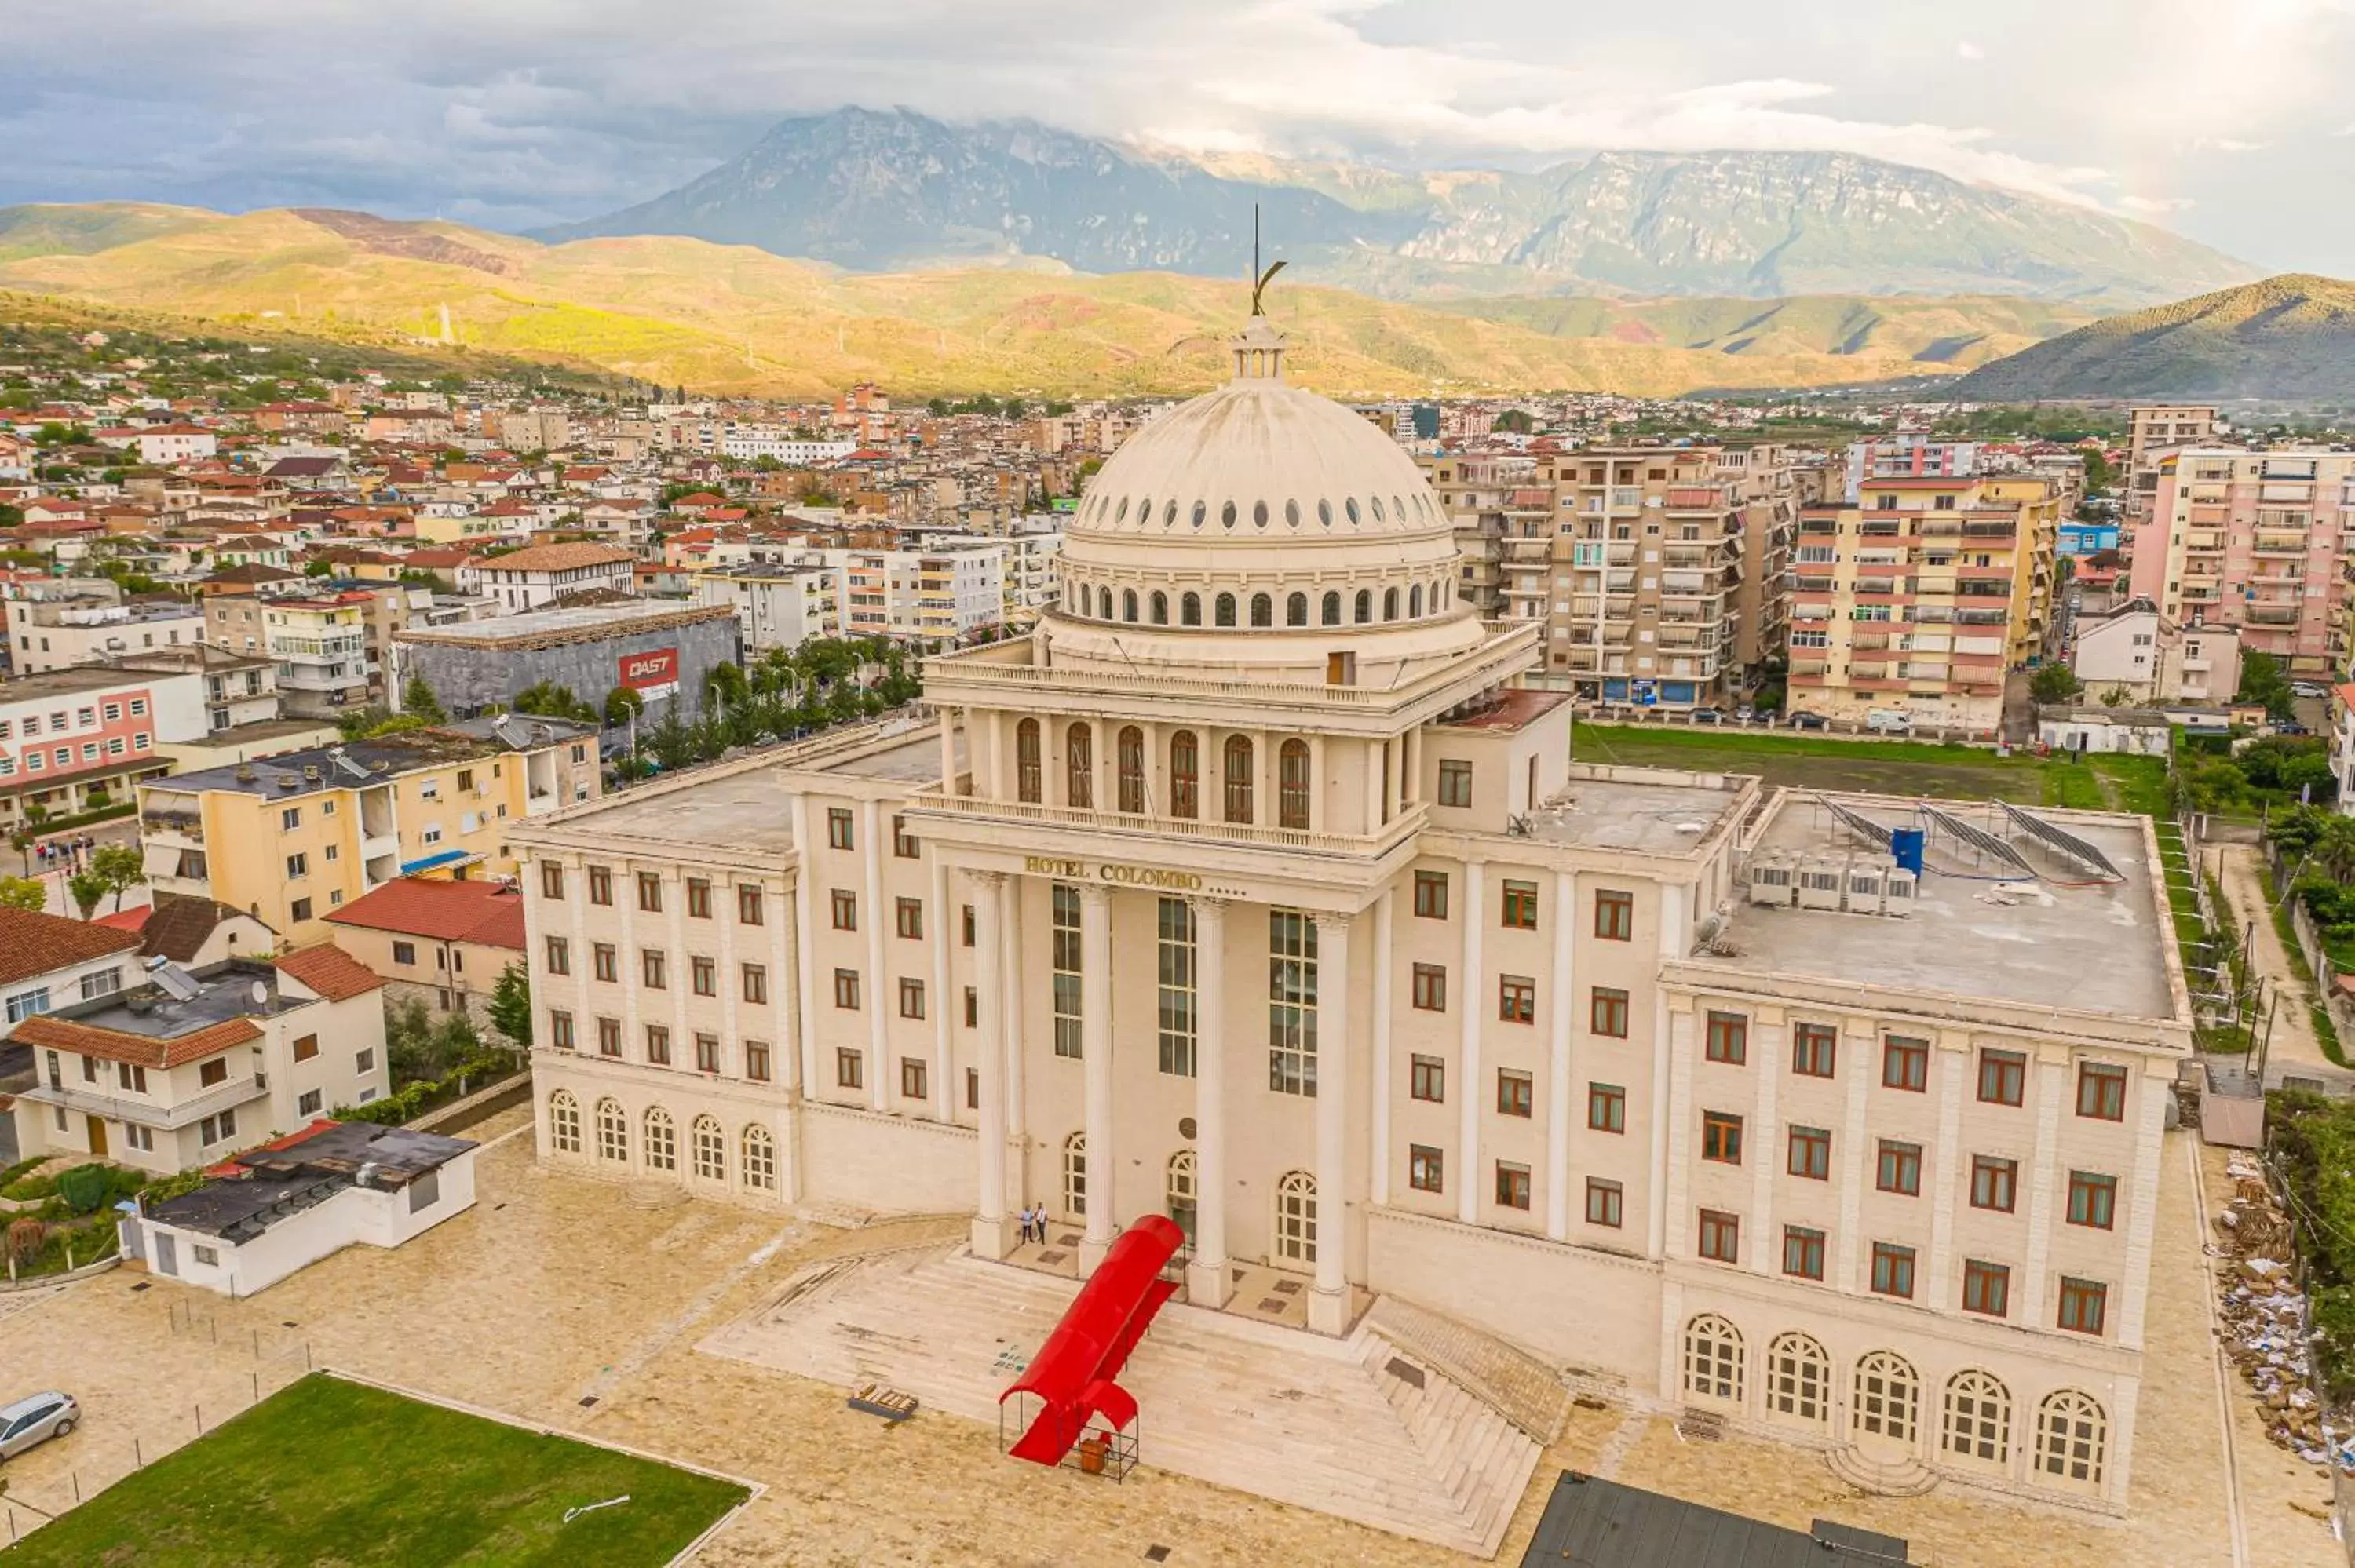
[2288, 338]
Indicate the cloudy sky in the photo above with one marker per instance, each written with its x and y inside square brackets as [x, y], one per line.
[2227, 123]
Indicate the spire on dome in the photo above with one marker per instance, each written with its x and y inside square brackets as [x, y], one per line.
[1259, 347]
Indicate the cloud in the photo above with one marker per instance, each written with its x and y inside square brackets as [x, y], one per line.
[2155, 207]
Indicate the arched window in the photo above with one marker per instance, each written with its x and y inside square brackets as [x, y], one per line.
[710, 1150]
[1027, 785]
[1128, 604]
[1295, 1218]
[1332, 610]
[1976, 1423]
[1075, 1176]
[563, 1122]
[1295, 611]
[1237, 767]
[1086, 600]
[1185, 775]
[1079, 767]
[1389, 604]
[1414, 602]
[1181, 1193]
[1713, 1360]
[1292, 785]
[1160, 608]
[1888, 1401]
[758, 1152]
[1131, 754]
[1224, 612]
[613, 1132]
[661, 1142]
[1263, 610]
[1190, 610]
[1798, 1380]
[2072, 1434]
[1365, 607]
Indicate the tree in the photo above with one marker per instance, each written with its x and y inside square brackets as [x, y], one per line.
[86, 888]
[510, 1005]
[622, 703]
[29, 893]
[2262, 681]
[2098, 473]
[120, 867]
[2054, 683]
[417, 697]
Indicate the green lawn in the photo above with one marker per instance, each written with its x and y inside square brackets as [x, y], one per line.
[334, 1472]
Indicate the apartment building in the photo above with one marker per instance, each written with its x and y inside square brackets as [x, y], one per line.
[776, 606]
[238, 688]
[2254, 541]
[2139, 652]
[291, 838]
[75, 739]
[1471, 490]
[319, 644]
[749, 443]
[46, 634]
[440, 944]
[922, 595]
[2151, 431]
[529, 579]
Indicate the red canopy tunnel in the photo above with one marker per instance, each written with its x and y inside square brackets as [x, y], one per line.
[1072, 1376]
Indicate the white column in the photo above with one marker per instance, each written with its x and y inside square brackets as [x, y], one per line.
[989, 1229]
[1384, 1064]
[1673, 1211]
[2142, 1189]
[1370, 801]
[948, 753]
[1410, 765]
[1945, 1158]
[804, 950]
[1328, 1302]
[1317, 816]
[1207, 1282]
[1850, 1163]
[1767, 1051]
[1095, 1060]
[941, 933]
[1671, 938]
[2043, 1182]
[1468, 1093]
[1564, 991]
[878, 1041]
[785, 1006]
[1008, 917]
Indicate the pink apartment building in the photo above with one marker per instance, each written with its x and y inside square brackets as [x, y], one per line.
[2252, 540]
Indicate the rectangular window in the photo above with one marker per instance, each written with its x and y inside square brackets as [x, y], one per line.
[1994, 1183]
[973, 1088]
[1615, 916]
[1427, 1079]
[1514, 1093]
[1905, 1064]
[1430, 894]
[649, 892]
[912, 998]
[914, 1079]
[1512, 1185]
[908, 915]
[609, 1037]
[2093, 1200]
[756, 984]
[838, 828]
[1811, 1153]
[1291, 1003]
[971, 1007]
[604, 962]
[1720, 1237]
[1454, 783]
[1065, 940]
[290, 818]
[2084, 1305]
[1426, 1169]
[698, 898]
[846, 990]
[406, 953]
[1987, 1288]
[559, 1029]
[1803, 1251]
[1814, 1049]
[1606, 1012]
[658, 1045]
[1175, 1023]
[560, 955]
[707, 1052]
[1728, 1039]
[704, 976]
[1606, 1108]
[297, 865]
[966, 937]
[748, 905]
[903, 842]
[1899, 1168]
[654, 969]
[1603, 1207]
[1892, 1270]
[600, 886]
[2003, 1077]
[306, 1047]
[844, 904]
[1720, 1137]
[1517, 998]
[1431, 988]
[1520, 905]
[2102, 1092]
[849, 1069]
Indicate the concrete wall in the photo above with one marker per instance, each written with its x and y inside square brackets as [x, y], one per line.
[467, 681]
[890, 1163]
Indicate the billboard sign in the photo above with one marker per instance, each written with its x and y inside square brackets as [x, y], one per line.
[653, 674]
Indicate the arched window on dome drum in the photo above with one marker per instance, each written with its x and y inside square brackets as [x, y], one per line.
[1332, 610]
[1086, 600]
[1414, 602]
[1160, 608]
[1131, 752]
[1079, 767]
[1389, 604]
[1128, 605]
[1295, 611]
[1185, 775]
[1238, 779]
[1365, 606]
[1026, 781]
[1225, 610]
[1292, 785]
[1190, 610]
[1263, 610]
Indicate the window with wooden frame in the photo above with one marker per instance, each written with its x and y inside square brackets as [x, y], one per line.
[1720, 1137]
[1516, 1093]
[2093, 1200]
[1720, 1237]
[844, 904]
[1803, 1251]
[1892, 1270]
[1604, 1203]
[839, 835]
[1520, 905]
[1615, 916]
[1727, 1039]
[2003, 1077]
[1430, 987]
[1814, 1049]
[1517, 998]
[846, 988]
[1811, 1153]
[1606, 1012]
[600, 886]
[698, 898]
[1905, 1064]
[1606, 1108]
[1994, 1183]
[1987, 1288]
[908, 916]
[2101, 1092]
[1898, 1168]
[2084, 1305]
[1427, 1079]
[1430, 894]
[649, 892]
[1426, 1169]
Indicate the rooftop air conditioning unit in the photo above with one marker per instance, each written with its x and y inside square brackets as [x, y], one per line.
[1770, 881]
[1820, 884]
[1899, 889]
[1864, 887]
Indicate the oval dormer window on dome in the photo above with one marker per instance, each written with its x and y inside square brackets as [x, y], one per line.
[1259, 514]
[1199, 509]
[1291, 514]
[1120, 514]
[1349, 504]
[1325, 513]
[1170, 515]
[1398, 508]
[1227, 516]
[1376, 502]
[1144, 512]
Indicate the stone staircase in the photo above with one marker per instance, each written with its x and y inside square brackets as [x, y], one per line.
[1901, 1476]
[1361, 1428]
[1522, 1389]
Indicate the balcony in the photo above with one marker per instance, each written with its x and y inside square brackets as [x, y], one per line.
[2270, 614]
[88, 1100]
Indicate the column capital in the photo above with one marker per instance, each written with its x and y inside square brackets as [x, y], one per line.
[990, 879]
[1208, 900]
[1336, 922]
[1096, 895]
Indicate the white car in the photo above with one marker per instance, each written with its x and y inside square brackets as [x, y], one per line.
[34, 1419]
[2307, 689]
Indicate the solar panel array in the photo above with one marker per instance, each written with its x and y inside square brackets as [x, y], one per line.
[1862, 826]
[2064, 842]
[1979, 838]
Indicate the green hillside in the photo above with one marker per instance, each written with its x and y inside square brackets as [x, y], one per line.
[2285, 339]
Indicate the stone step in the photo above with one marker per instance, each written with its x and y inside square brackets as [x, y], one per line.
[1900, 1476]
[1524, 1389]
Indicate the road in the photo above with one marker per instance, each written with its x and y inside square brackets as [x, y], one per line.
[2293, 1048]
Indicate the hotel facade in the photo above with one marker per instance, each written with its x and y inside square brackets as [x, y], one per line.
[1253, 888]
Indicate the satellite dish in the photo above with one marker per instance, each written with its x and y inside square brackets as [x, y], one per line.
[261, 994]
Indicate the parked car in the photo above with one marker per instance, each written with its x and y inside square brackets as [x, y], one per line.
[2308, 689]
[1888, 721]
[33, 1420]
[1809, 721]
[1708, 716]
[1745, 713]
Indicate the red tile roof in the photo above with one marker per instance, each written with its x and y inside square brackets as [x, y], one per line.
[483, 912]
[331, 972]
[556, 558]
[138, 1050]
[34, 944]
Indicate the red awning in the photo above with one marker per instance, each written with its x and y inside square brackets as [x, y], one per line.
[1072, 1374]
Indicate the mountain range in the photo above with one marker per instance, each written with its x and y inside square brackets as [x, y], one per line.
[892, 190]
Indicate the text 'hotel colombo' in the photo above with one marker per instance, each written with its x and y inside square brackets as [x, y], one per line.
[1251, 890]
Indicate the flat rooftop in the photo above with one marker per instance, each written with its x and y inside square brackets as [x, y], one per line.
[222, 992]
[2061, 939]
[1639, 810]
[571, 622]
[913, 758]
[749, 809]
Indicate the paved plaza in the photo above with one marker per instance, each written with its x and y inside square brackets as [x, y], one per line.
[558, 1289]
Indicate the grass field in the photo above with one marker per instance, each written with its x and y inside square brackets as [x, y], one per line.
[334, 1472]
